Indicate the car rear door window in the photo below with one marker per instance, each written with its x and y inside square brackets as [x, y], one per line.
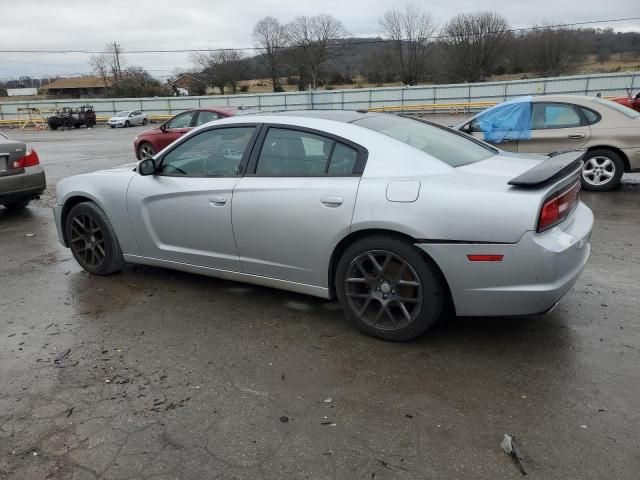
[293, 153]
[181, 121]
[217, 152]
[205, 117]
[288, 153]
[554, 115]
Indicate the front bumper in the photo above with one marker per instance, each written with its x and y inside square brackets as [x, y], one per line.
[57, 215]
[535, 273]
[29, 184]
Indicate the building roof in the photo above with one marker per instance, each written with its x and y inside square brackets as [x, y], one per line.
[80, 82]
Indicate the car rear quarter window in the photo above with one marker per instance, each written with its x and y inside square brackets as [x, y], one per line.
[452, 148]
[590, 116]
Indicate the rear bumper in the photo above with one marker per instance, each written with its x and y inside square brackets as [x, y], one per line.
[533, 276]
[29, 184]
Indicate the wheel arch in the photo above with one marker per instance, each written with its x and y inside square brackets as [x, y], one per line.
[625, 159]
[353, 237]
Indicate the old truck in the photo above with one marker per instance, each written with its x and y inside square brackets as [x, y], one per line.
[68, 117]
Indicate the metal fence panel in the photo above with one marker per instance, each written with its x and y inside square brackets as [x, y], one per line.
[606, 84]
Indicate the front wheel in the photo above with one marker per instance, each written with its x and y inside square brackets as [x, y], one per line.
[388, 289]
[127, 124]
[92, 239]
[146, 150]
[602, 170]
[144, 121]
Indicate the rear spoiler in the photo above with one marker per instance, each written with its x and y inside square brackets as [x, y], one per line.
[560, 164]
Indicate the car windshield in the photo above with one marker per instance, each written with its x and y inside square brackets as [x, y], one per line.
[619, 108]
[452, 148]
[122, 114]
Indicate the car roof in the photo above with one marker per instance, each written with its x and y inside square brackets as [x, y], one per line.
[345, 116]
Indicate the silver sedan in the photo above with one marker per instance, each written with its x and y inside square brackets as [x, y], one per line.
[396, 217]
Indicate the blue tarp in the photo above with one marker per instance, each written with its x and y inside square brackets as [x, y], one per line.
[509, 120]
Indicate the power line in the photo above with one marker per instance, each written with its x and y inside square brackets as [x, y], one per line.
[361, 42]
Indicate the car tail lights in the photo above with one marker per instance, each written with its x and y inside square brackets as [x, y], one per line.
[558, 207]
[29, 160]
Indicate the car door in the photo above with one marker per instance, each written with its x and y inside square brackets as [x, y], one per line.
[183, 212]
[295, 203]
[176, 127]
[555, 126]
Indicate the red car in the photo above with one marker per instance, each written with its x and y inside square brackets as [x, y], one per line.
[147, 144]
[631, 102]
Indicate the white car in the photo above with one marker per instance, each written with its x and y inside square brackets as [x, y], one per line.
[127, 119]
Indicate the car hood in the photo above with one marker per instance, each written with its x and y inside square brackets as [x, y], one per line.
[153, 131]
[120, 168]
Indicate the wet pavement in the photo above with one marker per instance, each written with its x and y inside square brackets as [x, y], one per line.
[159, 374]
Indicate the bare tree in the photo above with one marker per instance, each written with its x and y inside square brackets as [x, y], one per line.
[553, 51]
[269, 36]
[109, 64]
[473, 43]
[410, 31]
[220, 68]
[311, 39]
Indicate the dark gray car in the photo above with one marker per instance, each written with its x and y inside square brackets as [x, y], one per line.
[22, 178]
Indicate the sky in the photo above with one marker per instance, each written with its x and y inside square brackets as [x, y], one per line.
[162, 24]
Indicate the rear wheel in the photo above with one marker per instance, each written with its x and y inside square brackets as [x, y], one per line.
[92, 239]
[388, 289]
[18, 204]
[602, 170]
[146, 150]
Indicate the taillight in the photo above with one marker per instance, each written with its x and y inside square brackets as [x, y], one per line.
[558, 207]
[29, 160]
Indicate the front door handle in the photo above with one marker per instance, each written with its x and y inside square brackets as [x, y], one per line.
[217, 201]
[331, 201]
[575, 136]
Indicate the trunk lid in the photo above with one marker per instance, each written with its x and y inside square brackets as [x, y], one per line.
[10, 150]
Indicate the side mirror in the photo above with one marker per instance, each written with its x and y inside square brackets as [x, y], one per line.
[147, 166]
[163, 127]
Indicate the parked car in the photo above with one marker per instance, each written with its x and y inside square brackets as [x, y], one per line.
[629, 101]
[128, 119]
[147, 144]
[609, 132]
[22, 178]
[396, 217]
[68, 117]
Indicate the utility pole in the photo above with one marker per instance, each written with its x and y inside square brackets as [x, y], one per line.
[116, 53]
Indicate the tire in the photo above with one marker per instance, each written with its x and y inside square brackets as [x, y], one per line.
[602, 170]
[92, 239]
[144, 121]
[112, 126]
[373, 300]
[127, 124]
[76, 125]
[146, 150]
[53, 127]
[18, 204]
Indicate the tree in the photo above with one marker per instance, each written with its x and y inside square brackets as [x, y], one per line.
[221, 68]
[3, 90]
[552, 51]
[410, 31]
[137, 82]
[473, 43]
[109, 64]
[310, 39]
[270, 37]
[603, 56]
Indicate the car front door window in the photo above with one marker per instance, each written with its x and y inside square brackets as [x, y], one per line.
[216, 152]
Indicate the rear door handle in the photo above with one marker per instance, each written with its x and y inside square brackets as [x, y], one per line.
[217, 201]
[575, 136]
[331, 201]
